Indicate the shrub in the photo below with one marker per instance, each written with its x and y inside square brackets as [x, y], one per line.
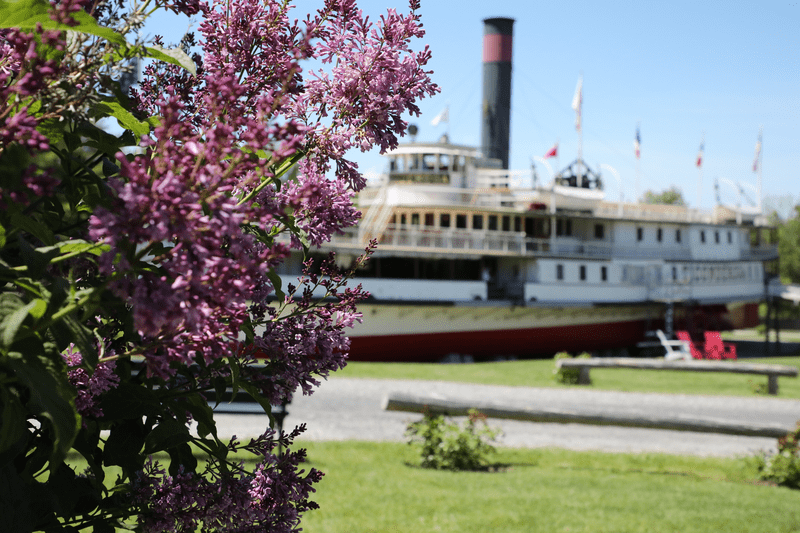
[446, 445]
[783, 468]
[568, 376]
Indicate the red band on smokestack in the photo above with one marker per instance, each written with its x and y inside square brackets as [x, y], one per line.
[496, 47]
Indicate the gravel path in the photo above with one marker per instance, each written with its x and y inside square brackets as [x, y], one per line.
[350, 409]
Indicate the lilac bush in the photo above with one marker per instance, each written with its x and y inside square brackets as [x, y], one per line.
[139, 268]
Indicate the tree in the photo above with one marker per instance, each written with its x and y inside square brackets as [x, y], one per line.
[789, 248]
[138, 270]
[671, 196]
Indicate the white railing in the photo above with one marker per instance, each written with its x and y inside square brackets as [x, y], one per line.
[516, 243]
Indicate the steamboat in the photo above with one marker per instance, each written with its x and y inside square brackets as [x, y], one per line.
[480, 261]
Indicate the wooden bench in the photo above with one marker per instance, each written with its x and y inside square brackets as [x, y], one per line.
[771, 371]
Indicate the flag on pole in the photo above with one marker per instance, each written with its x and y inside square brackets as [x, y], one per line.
[758, 152]
[577, 103]
[553, 152]
[444, 116]
[700, 154]
[637, 143]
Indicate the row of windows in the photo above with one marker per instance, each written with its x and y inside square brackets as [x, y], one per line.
[533, 227]
[581, 272]
[699, 274]
[660, 235]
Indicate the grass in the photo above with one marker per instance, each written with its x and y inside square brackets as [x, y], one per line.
[371, 487]
[539, 373]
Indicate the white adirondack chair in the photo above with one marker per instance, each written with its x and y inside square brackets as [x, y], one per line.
[676, 350]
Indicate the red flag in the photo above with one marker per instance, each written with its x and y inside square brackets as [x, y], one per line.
[700, 155]
[553, 151]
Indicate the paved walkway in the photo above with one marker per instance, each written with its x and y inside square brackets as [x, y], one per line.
[350, 409]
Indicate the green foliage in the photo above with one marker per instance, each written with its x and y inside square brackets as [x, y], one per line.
[789, 249]
[671, 196]
[446, 445]
[783, 468]
[568, 376]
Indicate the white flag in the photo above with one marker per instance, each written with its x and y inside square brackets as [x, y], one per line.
[577, 102]
[444, 116]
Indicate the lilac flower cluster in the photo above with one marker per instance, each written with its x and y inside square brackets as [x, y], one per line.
[89, 387]
[210, 168]
[23, 73]
[270, 498]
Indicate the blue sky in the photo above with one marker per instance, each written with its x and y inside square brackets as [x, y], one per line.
[679, 69]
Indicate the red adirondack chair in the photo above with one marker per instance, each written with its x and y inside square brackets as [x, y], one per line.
[722, 350]
[695, 348]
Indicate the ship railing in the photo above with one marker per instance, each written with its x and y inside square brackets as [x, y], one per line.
[517, 243]
[653, 212]
[760, 253]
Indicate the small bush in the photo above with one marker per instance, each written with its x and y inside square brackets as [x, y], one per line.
[447, 445]
[568, 376]
[783, 468]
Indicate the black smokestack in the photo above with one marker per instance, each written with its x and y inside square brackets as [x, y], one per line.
[495, 126]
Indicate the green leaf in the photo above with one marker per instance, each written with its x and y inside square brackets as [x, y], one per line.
[129, 401]
[26, 14]
[168, 434]
[39, 308]
[80, 246]
[34, 227]
[12, 322]
[12, 419]
[262, 401]
[2, 236]
[52, 397]
[287, 163]
[176, 56]
[113, 108]
[124, 444]
[276, 281]
[203, 415]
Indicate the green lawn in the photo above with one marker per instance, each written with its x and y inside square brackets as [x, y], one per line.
[371, 487]
[539, 373]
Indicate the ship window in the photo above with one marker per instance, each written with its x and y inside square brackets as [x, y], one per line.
[517, 223]
[403, 219]
[568, 228]
[702, 236]
[659, 234]
[506, 223]
[730, 237]
[677, 235]
[674, 273]
[393, 220]
[716, 237]
[492, 222]
[639, 234]
[603, 273]
[559, 271]
[461, 221]
[429, 219]
[477, 221]
[559, 227]
[444, 220]
[599, 231]
[583, 272]
[415, 219]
